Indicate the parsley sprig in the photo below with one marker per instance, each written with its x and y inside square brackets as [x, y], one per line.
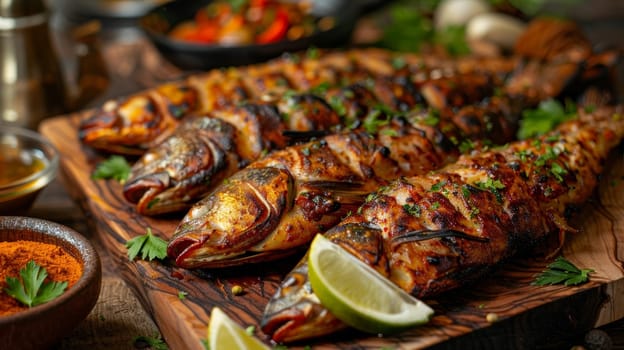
[561, 271]
[155, 342]
[116, 167]
[544, 118]
[31, 289]
[149, 246]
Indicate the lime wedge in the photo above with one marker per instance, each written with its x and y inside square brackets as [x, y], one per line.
[224, 333]
[358, 295]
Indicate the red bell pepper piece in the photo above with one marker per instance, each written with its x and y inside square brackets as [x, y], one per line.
[277, 30]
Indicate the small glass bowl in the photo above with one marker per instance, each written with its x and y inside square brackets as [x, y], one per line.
[38, 160]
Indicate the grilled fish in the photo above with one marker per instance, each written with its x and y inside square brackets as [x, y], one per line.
[435, 232]
[181, 170]
[130, 125]
[277, 203]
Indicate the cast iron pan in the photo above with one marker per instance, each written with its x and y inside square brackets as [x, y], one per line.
[159, 21]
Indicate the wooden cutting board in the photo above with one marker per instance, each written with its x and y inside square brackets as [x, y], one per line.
[528, 316]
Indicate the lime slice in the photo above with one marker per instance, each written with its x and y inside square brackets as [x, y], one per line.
[359, 295]
[224, 333]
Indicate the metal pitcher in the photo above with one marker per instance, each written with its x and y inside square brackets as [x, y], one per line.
[31, 80]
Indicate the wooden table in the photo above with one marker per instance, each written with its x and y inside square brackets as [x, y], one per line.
[132, 64]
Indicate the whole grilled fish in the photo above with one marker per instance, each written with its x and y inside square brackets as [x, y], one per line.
[130, 125]
[435, 232]
[277, 203]
[187, 165]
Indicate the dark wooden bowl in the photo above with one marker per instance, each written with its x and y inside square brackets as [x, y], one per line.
[44, 325]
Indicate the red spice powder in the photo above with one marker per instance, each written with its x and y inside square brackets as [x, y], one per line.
[60, 265]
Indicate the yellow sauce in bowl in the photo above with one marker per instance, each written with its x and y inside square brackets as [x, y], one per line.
[15, 166]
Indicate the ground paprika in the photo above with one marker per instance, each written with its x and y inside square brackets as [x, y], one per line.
[60, 265]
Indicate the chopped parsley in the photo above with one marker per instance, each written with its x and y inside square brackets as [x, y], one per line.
[437, 186]
[338, 106]
[374, 120]
[432, 118]
[412, 209]
[493, 186]
[558, 171]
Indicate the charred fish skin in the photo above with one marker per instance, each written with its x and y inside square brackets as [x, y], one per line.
[130, 125]
[260, 127]
[331, 177]
[193, 164]
[436, 232]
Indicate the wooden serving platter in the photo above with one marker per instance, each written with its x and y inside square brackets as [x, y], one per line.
[528, 316]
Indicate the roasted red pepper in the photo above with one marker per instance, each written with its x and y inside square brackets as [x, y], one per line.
[277, 30]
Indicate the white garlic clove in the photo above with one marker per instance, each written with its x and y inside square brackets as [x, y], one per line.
[458, 12]
[495, 29]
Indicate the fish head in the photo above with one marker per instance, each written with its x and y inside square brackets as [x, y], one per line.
[183, 168]
[239, 214]
[295, 313]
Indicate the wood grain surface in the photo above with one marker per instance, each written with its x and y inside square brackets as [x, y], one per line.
[529, 316]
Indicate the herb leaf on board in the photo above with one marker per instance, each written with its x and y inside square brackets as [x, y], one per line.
[561, 271]
[150, 247]
[116, 167]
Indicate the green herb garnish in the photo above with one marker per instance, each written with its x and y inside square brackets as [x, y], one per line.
[558, 171]
[544, 118]
[432, 118]
[156, 342]
[453, 39]
[437, 186]
[374, 120]
[182, 294]
[561, 271]
[149, 246]
[337, 105]
[31, 290]
[116, 167]
[493, 186]
[412, 209]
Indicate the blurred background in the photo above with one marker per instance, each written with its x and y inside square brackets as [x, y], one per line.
[79, 28]
[86, 37]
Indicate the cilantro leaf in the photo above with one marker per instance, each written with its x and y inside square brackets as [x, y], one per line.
[149, 246]
[31, 290]
[561, 271]
[544, 118]
[116, 167]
